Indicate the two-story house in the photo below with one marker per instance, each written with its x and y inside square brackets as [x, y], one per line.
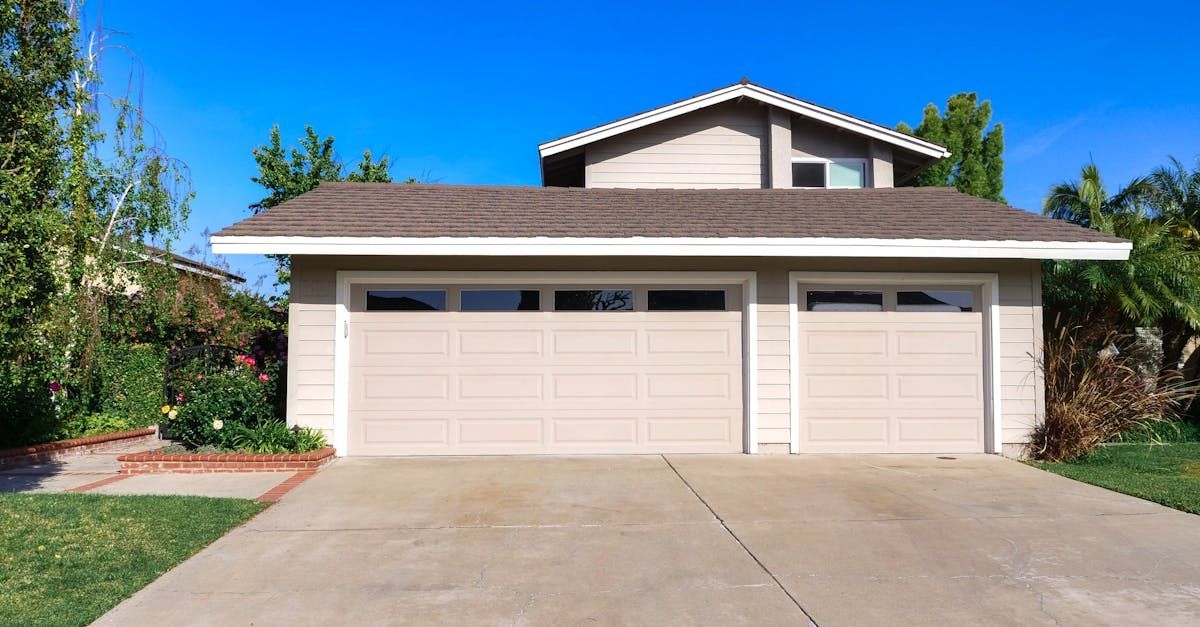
[741, 271]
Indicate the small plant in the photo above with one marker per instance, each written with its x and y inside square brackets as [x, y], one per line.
[273, 437]
[1095, 394]
[96, 424]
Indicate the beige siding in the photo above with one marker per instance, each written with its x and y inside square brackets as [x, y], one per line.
[312, 328]
[815, 140]
[1022, 398]
[718, 147]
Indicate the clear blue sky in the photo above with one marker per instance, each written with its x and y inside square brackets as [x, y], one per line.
[463, 93]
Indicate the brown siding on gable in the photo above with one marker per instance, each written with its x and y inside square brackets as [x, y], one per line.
[718, 147]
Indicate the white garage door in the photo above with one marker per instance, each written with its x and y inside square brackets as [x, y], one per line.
[890, 370]
[537, 369]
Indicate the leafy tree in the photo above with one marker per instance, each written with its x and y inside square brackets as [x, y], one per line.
[1175, 193]
[36, 59]
[976, 162]
[289, 172]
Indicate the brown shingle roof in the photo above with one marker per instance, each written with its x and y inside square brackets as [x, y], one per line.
[386, 210]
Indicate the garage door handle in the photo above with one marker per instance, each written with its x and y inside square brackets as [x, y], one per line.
[346, 328]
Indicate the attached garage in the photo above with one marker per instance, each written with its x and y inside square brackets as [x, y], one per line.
[602, 365]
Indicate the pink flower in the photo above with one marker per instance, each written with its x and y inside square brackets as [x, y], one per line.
[199, 377]
[263, 377]
[55, 387]
[179, 397]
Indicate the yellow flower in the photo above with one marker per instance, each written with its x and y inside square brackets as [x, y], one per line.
[166, 408]
[173, 414]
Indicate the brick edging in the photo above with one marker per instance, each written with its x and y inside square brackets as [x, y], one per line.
[54, 450]
[151, 462]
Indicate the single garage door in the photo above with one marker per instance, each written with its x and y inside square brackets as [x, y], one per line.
[545, 369]
[890, 370]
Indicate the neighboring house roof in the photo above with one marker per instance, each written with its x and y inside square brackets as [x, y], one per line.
[745, 89]
[190, 265]
[375, 218]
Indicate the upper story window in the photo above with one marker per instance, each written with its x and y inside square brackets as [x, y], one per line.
[829, 173]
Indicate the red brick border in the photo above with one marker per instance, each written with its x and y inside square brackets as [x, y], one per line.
[152, 462]
[75, 446]
[96, 484]
[277, 492]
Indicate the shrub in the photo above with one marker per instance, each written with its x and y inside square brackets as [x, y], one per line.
[27, 413]
[97, 424]
[219, 401]
[132, 383]
[1094, 394]
[273, 437]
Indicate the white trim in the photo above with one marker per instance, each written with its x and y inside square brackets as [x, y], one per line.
[670, 247]
[990, 284]
[761, 94]
[859, 161]
[346, 278]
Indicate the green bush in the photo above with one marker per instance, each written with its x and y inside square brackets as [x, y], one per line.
[96, 424]
[1166, 432]
[27, 413]
[219, 402]
[273, 437]
[132, 383]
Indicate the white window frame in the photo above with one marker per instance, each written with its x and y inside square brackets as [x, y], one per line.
[844, 161]
[988, 285]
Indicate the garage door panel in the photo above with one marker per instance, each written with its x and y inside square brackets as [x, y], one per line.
[851, 386]
[591, 343]
[842, 342]
[545, 382]
[595, 432]
[924, 386]
[501, 342]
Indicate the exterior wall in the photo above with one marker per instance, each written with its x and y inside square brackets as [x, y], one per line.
[882, 168]
[312, 332]
[819, 141]
[718, 147]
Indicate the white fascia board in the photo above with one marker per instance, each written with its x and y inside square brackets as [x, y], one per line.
[669, 247]
[760, 94]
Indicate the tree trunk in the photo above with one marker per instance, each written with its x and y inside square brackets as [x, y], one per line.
[1175, 336]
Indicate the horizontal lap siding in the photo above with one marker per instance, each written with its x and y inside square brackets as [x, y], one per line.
[718, 147]
[1021, 389]
[774, 378]
[311, 335]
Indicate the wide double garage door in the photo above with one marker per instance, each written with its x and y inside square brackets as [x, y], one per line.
[486, 369]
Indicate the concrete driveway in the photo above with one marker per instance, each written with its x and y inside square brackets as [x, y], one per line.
[883, 540]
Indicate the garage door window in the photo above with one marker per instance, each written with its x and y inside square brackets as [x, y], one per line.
[500, 300]
[406, 300]
[845, 300]
[935, 300]
[685, 300]
[593, 300]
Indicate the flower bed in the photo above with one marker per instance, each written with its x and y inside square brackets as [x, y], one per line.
[75, 446]
[156, 462]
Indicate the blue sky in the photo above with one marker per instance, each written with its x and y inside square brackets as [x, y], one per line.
[464, 92]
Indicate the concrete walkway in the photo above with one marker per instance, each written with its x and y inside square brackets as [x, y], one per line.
[690, 540]
[95, 472]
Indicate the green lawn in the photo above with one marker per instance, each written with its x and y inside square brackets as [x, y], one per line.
[65, 559]
[1166, 473]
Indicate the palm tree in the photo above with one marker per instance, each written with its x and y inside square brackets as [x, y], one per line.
[1175, 193]
[1159, 283]
[1087, 203]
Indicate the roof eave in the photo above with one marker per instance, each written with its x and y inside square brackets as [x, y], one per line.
[670, 247]
[750, 90]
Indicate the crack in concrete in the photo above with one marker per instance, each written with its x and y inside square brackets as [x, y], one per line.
[524, 608]
[782, 588]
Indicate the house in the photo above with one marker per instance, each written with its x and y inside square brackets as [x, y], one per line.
[741, 271]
